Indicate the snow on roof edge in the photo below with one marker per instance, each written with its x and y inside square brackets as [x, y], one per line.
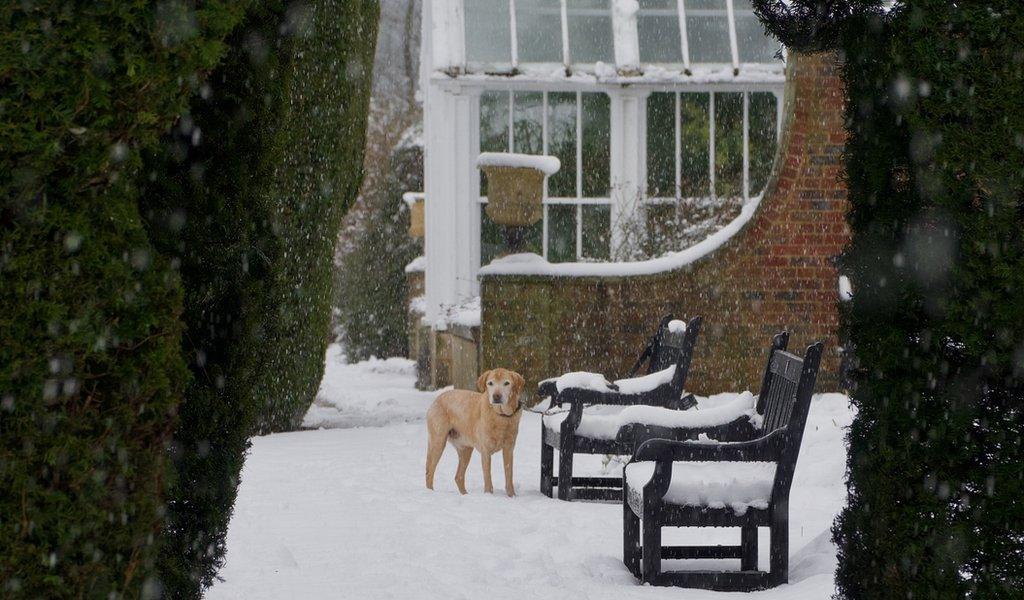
[532, 264]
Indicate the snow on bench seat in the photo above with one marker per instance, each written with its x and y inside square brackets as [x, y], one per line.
[604, 422]
[736, 485]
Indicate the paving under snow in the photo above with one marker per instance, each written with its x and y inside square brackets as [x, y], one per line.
[343, 513]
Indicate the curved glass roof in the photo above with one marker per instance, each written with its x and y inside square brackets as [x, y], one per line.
[629, 36]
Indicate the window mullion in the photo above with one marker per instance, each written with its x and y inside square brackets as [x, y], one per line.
[684, 40]
[732, 36]
[544, 146]
[711, 142]
[513, 40]
[566, 59]
[511, 123]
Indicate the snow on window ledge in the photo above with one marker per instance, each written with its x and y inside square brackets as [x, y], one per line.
[532, 264]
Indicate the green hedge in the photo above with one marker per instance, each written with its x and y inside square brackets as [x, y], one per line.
[936, 122]
[321, 131]
[247, 194]
[371, 293]
[90, 367]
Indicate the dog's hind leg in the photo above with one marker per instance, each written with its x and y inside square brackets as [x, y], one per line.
[460, 474]
[435, 448]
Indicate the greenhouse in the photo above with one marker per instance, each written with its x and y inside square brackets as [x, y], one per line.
[663, 113]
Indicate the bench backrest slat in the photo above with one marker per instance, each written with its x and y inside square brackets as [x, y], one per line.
[797, 377]
[681, 346]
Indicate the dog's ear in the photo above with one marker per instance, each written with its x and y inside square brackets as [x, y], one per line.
[518, 383]
[481, 382]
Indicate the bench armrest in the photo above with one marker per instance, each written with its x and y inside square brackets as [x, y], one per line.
[767, 448]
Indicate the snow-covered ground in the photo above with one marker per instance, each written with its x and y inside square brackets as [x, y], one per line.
[343, 513]
[372, 393]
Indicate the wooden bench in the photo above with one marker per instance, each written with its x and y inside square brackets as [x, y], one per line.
[670, 483]
[669, 353]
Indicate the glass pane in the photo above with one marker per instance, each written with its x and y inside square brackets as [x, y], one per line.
[729, 144]
[597, 232]
[596, 145]
[493, 126]
[590, 31]
[528, 112]
[488, 35]
[539, 30]
[707, 31]
[658, 28]
[492, 239]
[561, 233]
[762, 115]
[562, 143]
[753, 44]
[661, 145]
[693, 132]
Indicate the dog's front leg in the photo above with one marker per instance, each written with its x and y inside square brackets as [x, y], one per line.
[485, 460]
[506, 455]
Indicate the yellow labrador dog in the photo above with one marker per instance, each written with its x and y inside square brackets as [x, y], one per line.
[486, 421]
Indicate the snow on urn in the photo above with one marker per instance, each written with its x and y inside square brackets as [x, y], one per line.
[515, 186]
[414, 200]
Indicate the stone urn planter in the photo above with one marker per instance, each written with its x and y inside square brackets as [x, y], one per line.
[415, 202]
[515, 186]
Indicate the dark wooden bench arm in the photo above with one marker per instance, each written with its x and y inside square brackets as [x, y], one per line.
[767, 448]
[665, 452]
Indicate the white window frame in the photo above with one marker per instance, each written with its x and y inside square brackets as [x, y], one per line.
[677, 126]
[625, 39]
[579, 200]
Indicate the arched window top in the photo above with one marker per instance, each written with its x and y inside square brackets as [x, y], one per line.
[607, 38]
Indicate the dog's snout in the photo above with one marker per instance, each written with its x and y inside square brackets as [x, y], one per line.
[497, 398]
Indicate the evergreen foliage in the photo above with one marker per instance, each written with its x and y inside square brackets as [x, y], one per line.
[371, 306]
[90, 366]
[934, 160]
[247, 195]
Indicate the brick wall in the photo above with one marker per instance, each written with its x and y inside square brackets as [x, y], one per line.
[778, 273]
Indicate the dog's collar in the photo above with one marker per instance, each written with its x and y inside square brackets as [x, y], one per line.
[513, 413]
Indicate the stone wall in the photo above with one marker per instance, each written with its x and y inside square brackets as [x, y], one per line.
[777, 273]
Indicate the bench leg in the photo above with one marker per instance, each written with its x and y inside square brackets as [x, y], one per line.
[650, 559]
[547, 465]
[565, 471]
[748, 543]
[630, 540]
[779, 555]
